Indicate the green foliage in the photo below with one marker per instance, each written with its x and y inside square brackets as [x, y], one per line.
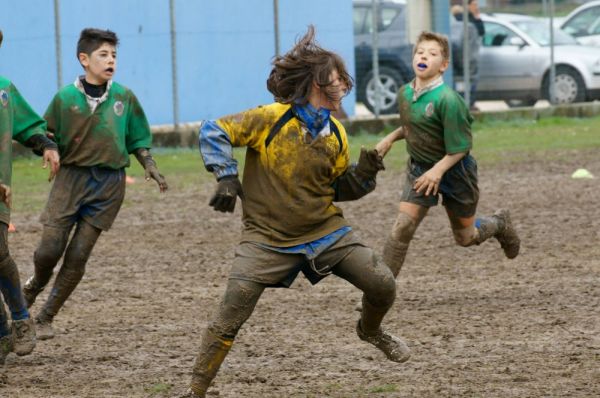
[158, 388]
[384, 388]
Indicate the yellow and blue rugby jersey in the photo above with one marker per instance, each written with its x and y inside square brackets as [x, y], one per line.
[287, 183]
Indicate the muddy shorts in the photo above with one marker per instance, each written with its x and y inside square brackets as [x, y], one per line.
[257, 263]
[93, 194]
[458, 187]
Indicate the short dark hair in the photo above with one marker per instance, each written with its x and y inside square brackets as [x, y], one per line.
[437, 37]
[294, 72]
[92, 39]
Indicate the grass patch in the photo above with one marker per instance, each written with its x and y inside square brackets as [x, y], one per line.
[158, 388]
[494, 142]
[384, 388]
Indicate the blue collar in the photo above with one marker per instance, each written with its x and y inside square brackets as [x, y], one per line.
[314, 119]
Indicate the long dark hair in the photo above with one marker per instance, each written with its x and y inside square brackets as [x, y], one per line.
[293, 73]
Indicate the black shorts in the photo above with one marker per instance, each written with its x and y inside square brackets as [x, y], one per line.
[93, 194]
[458, 187]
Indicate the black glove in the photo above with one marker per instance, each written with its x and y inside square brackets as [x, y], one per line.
[369, 164]
[151, 170]
[228, 189]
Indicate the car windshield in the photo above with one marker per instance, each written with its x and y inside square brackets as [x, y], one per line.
[539, 31]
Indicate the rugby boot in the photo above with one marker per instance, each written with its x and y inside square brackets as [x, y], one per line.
[31, 289]
[44, 329]
[394, 348]
[507, 235]
[213, 351]
[6, 347]
[24, 336]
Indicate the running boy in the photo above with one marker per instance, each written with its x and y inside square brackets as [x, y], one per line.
[17, 121]
[97, 123]
[297, 164]
[436, 123]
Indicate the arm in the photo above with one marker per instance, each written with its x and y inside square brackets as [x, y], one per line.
[42, 145]
[384, 146]
[429, 182]
[149, 164]
[359, 179]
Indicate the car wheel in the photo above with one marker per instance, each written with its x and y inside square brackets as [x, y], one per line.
[390, 80]
[520, 103]
[568, 87]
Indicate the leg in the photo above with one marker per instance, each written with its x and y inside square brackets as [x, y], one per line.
[10, 286]
[410, 216]
[71, 272]
[46, 256]
[361, 268]
[469, 230]
[6, 341]
[236, 307]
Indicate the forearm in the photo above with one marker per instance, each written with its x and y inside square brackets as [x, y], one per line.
[216, 150]
[386, 143]
[448, 161]
[144, 157]
[39, 143]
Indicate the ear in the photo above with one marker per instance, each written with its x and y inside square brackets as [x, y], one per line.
[444, 66]
[84, 59]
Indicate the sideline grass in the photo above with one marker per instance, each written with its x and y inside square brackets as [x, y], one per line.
[494, 142]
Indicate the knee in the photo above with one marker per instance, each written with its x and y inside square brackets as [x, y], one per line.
[404, 228]
[47, 254]
[383, 292]
[4, 253]
[465, 237]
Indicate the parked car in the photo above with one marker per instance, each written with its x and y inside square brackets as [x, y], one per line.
[394, 53]
[583, 23]
[515, 62]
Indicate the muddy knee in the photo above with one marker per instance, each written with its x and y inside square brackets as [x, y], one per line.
[238, 304]
[404, 228]
[465, 236]
[51, 247]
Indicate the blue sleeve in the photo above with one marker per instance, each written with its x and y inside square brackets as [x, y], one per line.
[216, 150]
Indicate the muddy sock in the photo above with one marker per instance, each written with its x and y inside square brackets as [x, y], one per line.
[72, 270]
[213, 351]
[370, 321]
[394, 253]
[10, 286]
[487, 227]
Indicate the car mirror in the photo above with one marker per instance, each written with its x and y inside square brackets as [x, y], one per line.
[516, 41]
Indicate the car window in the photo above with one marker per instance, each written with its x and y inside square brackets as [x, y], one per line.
[539, 31]
[359, 14]
[497, 35]
[581, 24]
[363, 19]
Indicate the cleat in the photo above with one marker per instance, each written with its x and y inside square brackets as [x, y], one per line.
[507, 235]
[24, 336]
[45, 331]
[31, 291]
[6, 347]
[394, 348]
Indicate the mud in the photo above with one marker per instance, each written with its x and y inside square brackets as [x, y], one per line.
[478, 325]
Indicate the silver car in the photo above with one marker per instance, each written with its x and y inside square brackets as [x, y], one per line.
[584, 23]
[515, 62]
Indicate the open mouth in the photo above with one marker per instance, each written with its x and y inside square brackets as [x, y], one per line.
[109, 70]
[421, 66]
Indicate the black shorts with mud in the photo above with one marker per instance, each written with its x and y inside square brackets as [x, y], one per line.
[458, 187]
[257, 263]
[93, 194]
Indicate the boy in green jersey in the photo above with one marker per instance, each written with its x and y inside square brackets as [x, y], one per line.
[436, 124]
[96, 123]
[17, 121]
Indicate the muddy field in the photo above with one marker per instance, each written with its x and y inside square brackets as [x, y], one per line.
[479, 325]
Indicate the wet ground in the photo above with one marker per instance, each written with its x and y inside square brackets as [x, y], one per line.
[479, 325]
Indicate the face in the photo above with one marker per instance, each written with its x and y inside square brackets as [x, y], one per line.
[473, 6]
[428, 61]
[330, 97]
[100, 65]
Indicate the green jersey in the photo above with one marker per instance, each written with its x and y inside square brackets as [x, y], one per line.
[97, 132]
[437, 122]
[17, 121]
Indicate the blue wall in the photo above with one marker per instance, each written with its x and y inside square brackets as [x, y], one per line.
[224, 48]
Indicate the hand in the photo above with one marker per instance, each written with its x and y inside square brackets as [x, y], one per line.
[225, 196]
[51, 158]
[369, 163]
[151, 172]
[5, 195]
[429, 182]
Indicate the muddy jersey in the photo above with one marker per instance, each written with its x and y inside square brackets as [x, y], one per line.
[288, 193]
[437, 122]
[17, 121]
[103, 136]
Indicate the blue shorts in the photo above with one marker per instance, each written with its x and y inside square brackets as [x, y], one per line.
[459, 190]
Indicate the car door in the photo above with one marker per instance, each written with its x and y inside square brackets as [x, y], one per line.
[585, 26]
[504, 65]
